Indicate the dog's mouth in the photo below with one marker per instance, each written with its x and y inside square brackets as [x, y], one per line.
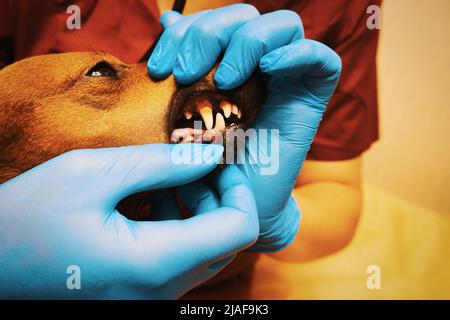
[195, 116]
[206, 115]
[201, 113]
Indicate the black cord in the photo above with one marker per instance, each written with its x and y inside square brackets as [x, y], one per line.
[178, 6]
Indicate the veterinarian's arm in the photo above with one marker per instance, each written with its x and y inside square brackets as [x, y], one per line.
[330, 196]
[59, 218]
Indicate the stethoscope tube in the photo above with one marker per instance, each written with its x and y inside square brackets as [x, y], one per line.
[178, 6]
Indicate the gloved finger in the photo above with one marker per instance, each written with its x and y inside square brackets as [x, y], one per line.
[234, 189]
[206, 239]
[161, 62]
[115, 173]
[319, 65]
[207, 38]
[285, 226]
[295, 117]
[252, 41]
[199, 197]
[169, 17]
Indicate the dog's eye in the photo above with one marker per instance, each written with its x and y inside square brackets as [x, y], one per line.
[102, 69]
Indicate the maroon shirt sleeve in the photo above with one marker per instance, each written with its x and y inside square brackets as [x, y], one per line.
[350, 124]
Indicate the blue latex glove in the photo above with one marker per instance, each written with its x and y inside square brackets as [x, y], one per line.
[62, 213]
[303, 75]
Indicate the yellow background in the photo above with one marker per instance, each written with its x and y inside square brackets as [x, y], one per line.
[412, 158]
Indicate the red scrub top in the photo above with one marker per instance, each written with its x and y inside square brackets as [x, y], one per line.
[127, 29]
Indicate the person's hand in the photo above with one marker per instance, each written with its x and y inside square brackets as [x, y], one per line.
[62, 213]
[302, 77]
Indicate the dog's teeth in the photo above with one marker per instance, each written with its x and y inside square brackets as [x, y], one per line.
[188, 139]
[226, 107]
[220, 122]
[234, 109]
[188, 115]
[207, 115]
[239, 115]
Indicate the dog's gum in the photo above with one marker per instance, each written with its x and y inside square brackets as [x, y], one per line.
[188, 115]
[183, 134]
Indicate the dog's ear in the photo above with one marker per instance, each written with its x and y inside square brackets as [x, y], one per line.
[12, 111]
[14, 105]
[11, 133]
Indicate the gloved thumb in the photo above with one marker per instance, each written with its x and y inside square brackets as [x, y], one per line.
[109, 175]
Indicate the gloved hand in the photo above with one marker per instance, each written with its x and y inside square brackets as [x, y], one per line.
[62, 213]
[302, 77]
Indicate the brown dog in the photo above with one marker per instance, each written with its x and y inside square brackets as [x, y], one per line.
[51, 104]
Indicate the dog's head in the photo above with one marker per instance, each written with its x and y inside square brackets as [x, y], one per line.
[51, 104]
